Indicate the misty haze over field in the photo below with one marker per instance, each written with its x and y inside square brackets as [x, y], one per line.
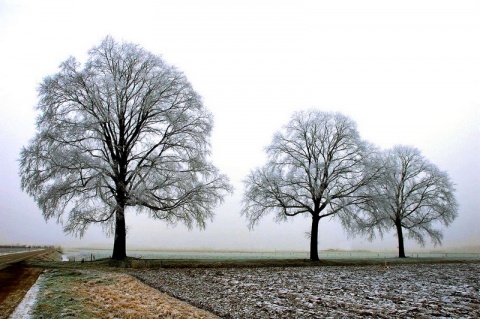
[406, 72]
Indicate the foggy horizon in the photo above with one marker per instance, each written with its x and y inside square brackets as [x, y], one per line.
[407, 73]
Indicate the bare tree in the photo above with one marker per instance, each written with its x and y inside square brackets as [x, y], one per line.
[412, 195]
[317, 165]
[126, 130]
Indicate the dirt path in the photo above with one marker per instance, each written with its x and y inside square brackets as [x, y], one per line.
[17, 278]
[15, 281]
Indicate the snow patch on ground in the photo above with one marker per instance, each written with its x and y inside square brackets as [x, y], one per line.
[24, 308]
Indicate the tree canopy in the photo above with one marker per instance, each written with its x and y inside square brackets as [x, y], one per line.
[413, 195]
[317, 165]
[124, 130]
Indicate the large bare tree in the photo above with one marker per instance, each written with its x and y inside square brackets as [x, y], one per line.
[317, 165]
[413, 195]
[125, 130]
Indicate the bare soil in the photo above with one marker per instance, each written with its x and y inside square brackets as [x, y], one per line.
[397, 291]
[15, 281]
[16, 277]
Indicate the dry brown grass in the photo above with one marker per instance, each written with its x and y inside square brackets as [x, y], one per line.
[98, 294]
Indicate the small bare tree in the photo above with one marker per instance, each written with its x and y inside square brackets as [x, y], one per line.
[317, 165]
[412, 195]
[126, 130]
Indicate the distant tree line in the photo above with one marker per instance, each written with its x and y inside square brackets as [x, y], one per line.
[127, 130]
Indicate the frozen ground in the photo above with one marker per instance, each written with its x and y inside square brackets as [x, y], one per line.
[402, 291]
[24, 308]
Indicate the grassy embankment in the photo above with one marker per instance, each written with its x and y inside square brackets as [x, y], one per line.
[74, 293]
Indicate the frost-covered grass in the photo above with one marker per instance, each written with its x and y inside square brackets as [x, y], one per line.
[223, 261]
[88, 254]
[59, 298]
[72, 293]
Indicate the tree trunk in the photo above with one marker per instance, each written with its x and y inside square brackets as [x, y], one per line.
[314, 239]
[401, 248]
[120, 241]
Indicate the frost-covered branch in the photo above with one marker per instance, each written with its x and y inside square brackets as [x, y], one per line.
[412, 194]
[317, 165]
[123, 130]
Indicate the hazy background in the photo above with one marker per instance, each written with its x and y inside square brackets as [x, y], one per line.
[408, 72]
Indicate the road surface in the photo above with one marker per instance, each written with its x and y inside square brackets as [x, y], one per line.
[9, 259]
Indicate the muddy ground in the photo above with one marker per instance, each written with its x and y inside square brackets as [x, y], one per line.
[15, 281]
[16, 278]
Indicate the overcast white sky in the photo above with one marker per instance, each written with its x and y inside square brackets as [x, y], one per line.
[408, 72]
